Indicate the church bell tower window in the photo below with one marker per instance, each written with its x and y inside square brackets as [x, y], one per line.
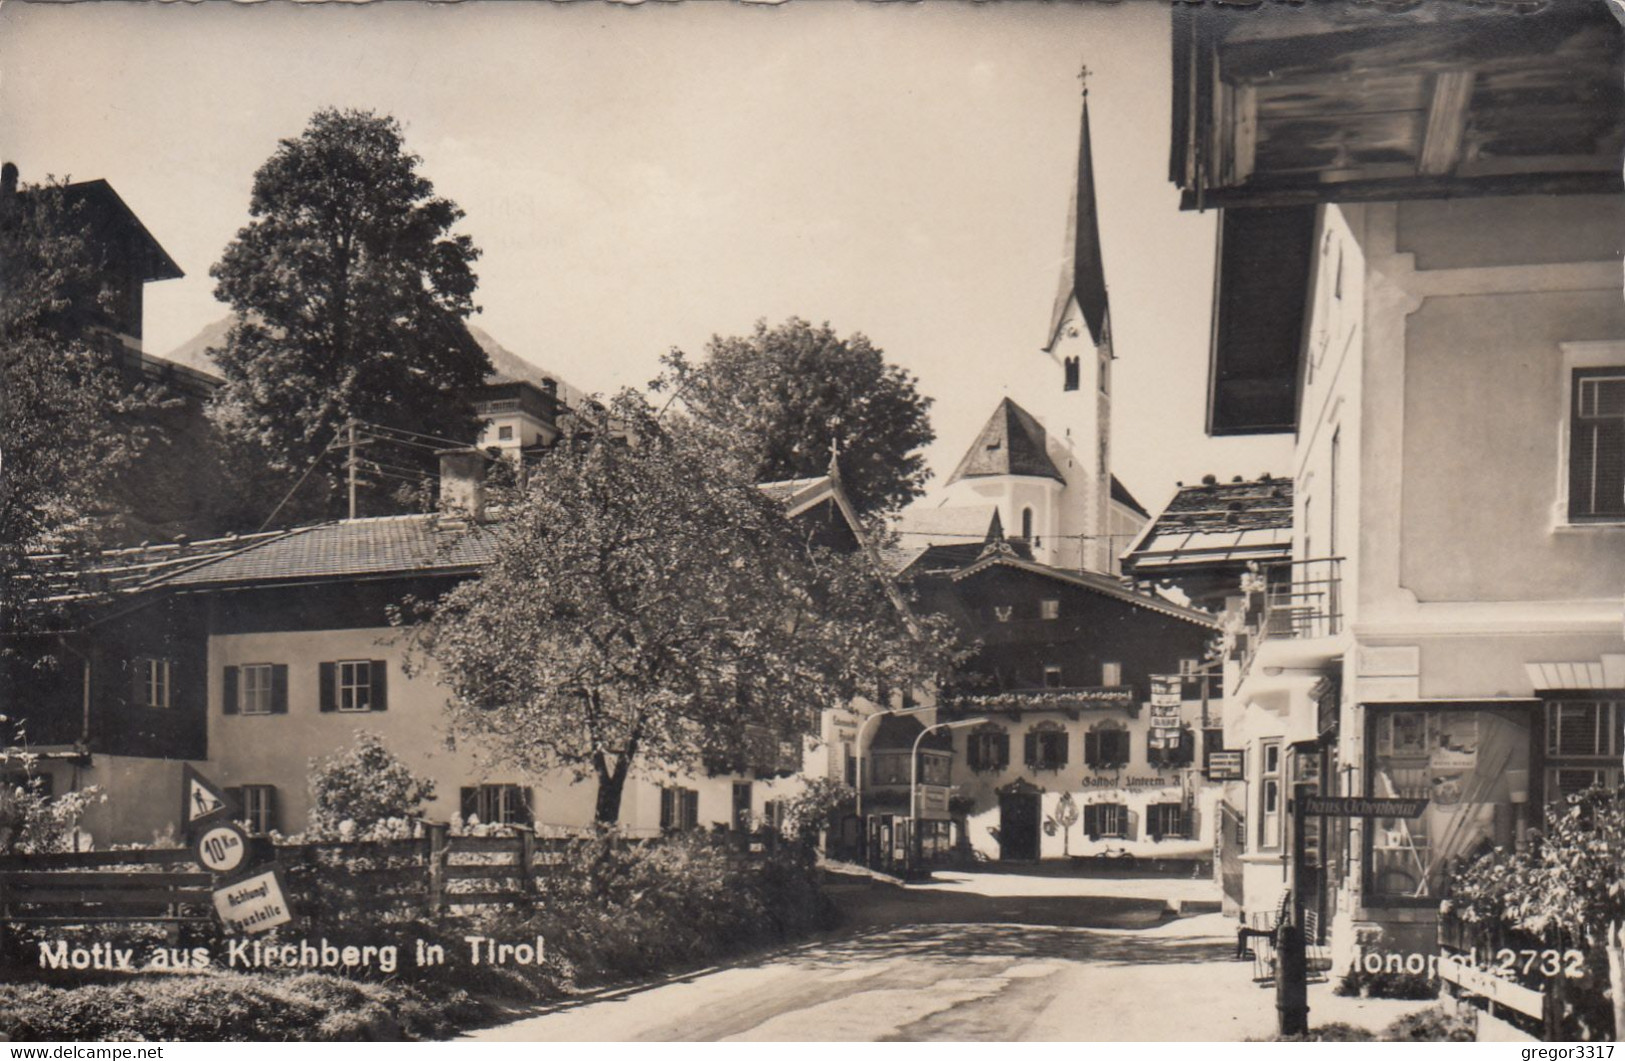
[1071, 373]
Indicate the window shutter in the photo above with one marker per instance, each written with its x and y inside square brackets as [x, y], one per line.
[1002, 745]
[380, 685]
[1186, 752]
[1030, 748]
[228, 691]
[279, 688]
[1119, 754]
[973, 751]
[272, 820]
[1091, 748]
[468, 797]
[1091, 820]
[667, 814]
[138, 682]
[329, 687]
[1062, 752]
[527, 799]
[1131, 823]
[691, 808]
[234, 797]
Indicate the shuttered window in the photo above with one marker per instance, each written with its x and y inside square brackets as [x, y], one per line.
[679, 809]
[1046, 749]
[1105, 820]
[1106, 748]
[354, 685]
[1597, 445]
[1166, 821]
[988, 750]
[255, 689]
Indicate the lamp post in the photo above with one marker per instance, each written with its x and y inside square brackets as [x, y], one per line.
[914, 782]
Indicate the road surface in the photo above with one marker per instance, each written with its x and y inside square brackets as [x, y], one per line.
[980, 957]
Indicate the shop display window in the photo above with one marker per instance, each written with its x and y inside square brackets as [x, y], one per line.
[1472, 766]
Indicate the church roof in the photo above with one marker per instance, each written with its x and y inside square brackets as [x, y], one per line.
[1083, 274]
[1012, 442]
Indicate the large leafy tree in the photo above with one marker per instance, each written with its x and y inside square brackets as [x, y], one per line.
[61, 438]
[351, 293]
[648, 604]
[783, 396]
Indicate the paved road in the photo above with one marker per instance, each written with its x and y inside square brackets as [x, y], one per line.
[972, 960]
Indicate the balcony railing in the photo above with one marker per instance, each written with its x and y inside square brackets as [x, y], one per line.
[1295, 599]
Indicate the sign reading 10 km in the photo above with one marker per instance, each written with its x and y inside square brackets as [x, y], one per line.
[221, 848]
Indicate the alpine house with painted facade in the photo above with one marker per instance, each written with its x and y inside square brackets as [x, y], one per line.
[1420, 233]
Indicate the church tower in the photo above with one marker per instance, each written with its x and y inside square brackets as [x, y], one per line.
[1044, 458]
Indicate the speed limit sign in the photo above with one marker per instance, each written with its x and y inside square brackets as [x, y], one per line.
[221, 848]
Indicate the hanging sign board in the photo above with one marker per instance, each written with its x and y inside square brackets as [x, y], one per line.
[933, 803]
[253, 904]
[1362, 807]
[221, 848]
[202, 800]
[1224, 765]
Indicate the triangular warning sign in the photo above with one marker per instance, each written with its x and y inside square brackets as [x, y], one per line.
[202, 800]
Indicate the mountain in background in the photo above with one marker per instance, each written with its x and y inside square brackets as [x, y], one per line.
[194, 354]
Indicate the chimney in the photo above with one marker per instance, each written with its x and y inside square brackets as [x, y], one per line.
[462, 482]
[8, 180]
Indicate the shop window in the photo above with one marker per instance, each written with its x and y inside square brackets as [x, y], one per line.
[1165, 821]
[1105, 820]
[679, 809]
[1472, 766]
[1269, 795]
[497, 804]
[1046, 747]
[1106, 749]
[987, 750]
[1584, 742]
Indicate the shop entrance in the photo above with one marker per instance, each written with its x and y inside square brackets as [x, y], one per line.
[1018, 826]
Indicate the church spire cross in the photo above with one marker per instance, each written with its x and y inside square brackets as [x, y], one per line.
[1083, 76]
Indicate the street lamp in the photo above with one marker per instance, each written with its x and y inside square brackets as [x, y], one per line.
[914, 779]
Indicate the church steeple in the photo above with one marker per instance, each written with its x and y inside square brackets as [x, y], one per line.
[1083, 275]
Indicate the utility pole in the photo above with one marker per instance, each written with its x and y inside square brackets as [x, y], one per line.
[350, 464]
[1291, 961]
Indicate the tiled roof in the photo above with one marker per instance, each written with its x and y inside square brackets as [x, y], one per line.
[349, 548]
[63, 576]
[1012, 442]
[1102, 584]
[1217, 522]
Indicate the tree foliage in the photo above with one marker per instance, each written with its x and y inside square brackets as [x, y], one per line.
[783, 395]
[60, 440]
[648, 604]
[350, 292]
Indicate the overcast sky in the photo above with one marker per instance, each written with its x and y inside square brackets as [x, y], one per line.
[641, 177]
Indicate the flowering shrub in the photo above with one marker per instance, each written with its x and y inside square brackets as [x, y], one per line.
[33, 822]
[356, 790]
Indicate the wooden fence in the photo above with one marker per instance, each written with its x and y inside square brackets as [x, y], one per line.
[433, 873]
